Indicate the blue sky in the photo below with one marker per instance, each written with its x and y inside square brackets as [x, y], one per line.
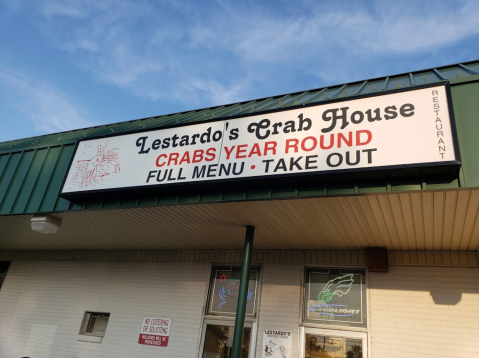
[67, 64]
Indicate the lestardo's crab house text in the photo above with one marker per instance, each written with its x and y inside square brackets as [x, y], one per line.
[338, 222]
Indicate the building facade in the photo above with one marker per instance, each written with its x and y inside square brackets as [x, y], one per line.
[126, 240]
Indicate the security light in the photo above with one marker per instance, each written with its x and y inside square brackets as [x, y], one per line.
[45, 224]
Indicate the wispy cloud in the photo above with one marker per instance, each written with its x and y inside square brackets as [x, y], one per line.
[46, 107]
[324, 29]
[223, 51]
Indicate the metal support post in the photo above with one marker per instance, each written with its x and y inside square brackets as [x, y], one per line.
[243, 293]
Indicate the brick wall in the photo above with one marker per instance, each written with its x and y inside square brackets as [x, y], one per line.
[425, 312]
[44, 320]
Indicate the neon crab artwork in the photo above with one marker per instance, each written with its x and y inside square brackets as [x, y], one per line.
[92, 171]
[229, 295]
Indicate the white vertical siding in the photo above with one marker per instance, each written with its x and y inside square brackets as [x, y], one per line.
[280, 302]
[10, 292]
[46, 318]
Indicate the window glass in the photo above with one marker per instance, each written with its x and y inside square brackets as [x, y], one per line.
[321, 346]
[335, 297]
[225, 290]
[94, 324]
[219, 341]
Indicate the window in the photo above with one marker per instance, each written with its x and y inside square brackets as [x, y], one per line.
[219, 319]
[335, 297]
[326, 343]
[224, 291]
[94, 324]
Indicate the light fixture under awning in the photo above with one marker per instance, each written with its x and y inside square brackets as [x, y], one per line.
[45, 224]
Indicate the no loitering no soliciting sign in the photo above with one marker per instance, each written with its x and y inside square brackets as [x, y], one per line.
[387, 130]
[155, 331]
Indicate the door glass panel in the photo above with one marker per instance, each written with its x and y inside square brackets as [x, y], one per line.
[321, 346]
[219, 341]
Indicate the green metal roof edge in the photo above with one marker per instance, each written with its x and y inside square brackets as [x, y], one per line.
[465, 71]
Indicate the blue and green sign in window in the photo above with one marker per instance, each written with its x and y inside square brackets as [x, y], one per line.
[336, 297]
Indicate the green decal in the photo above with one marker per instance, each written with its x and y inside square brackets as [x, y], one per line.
[338, 286]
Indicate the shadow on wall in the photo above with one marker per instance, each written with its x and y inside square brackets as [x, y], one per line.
[449, 299]
[446, 285]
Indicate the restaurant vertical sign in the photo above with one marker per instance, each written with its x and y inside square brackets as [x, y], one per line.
[400, 129]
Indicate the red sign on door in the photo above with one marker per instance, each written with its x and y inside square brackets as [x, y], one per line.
[155, 331]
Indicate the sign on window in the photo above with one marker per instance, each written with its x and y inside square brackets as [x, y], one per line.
[225, 291]
[336, 297]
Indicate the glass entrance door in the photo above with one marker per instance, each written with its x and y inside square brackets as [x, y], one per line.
[218, 341]
[327, 343]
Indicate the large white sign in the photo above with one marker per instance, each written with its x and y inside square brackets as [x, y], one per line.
[410, 128]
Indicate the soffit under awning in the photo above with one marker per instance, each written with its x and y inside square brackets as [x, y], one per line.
[431, 220]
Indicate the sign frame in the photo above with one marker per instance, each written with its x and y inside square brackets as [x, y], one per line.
[455, 162]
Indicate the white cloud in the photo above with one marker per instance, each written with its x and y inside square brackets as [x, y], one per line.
[323, 30]
[218, 93]
[46, 107]
[222, 51]
[56, 9]
[400, 29]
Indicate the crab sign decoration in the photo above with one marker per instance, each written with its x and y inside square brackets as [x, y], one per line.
[93, 171]
[229, 295]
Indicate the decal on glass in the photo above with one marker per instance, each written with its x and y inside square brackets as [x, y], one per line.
[339, 286]
[335, 296]
[229, 295]
[225, 291]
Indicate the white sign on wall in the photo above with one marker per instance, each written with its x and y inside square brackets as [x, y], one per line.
[409, 128]
[277, 344]
[155, 331]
